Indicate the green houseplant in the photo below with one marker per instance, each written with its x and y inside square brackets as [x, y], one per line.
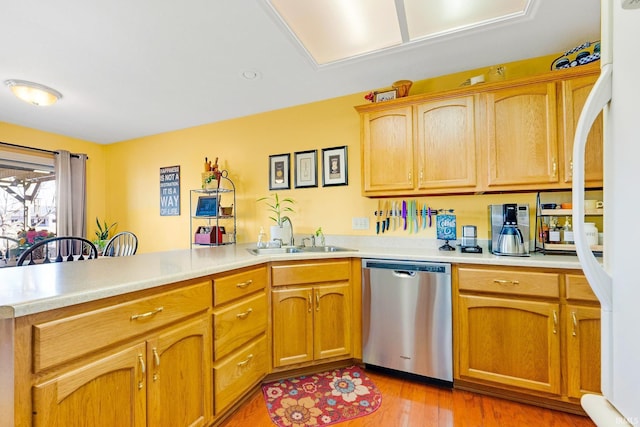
[278, 207]
[102, 233]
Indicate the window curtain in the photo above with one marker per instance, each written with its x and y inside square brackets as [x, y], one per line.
[71, 193]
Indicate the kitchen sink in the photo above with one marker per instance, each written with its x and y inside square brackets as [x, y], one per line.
[273, 251]
[297, 249]
[325, 249]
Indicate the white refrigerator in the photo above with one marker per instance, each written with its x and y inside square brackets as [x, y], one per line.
[616, 280]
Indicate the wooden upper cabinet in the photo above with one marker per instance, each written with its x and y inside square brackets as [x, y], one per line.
[387, 151]
[521, 132]
[574, 95]
[446, 144]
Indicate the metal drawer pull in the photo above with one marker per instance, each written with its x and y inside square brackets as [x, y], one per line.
[575, 324]
[506, 282]
[244, 284]
[244, 362]
[245, 314]
[317, 302]
[555, 322]
[310, 302]
[147, 314]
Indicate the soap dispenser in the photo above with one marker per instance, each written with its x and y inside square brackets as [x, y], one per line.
[262, 239]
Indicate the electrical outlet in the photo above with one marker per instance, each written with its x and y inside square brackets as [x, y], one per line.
[360, 223]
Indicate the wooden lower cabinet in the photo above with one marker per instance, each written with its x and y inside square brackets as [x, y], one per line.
[510, 341]
[108, 392]
[311, 323]
[529, 334]
[136, 386]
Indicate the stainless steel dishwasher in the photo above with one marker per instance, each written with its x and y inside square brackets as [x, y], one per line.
[406, 308]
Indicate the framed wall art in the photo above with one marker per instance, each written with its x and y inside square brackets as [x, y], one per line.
[279, 165]
[334, 166]
[386, 95]
[306, 172]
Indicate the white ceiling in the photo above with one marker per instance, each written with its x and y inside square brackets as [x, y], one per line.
[132, 68]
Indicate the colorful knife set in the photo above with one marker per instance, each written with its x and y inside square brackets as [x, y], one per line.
[410, 215]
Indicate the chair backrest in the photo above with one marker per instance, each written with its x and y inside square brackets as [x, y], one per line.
[124, 243]
[6, 244]
[59, 249]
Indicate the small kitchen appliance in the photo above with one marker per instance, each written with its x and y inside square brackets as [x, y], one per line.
[469, 242]
[509, 229]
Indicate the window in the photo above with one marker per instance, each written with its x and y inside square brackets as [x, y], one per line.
[27, 193]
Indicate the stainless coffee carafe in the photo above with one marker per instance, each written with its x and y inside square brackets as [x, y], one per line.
[509, 229]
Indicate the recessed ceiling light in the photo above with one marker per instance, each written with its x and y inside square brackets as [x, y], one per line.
[33, 93]
[251, 74]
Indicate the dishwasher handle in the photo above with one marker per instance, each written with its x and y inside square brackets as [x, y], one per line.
[404, 273]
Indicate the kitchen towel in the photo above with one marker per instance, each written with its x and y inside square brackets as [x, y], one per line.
[321, 399]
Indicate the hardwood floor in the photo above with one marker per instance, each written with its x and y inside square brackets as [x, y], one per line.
[414, 404]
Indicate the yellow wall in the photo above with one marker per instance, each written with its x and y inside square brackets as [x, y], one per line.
[123, 178]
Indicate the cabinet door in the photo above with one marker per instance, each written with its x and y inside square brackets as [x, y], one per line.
[510, 341]
[179, 392]
[387, 151]
[332, 320]
[108, 392]
[292, 326]
[446, 144]
[574, 95]
[583, 350]
[522, 137]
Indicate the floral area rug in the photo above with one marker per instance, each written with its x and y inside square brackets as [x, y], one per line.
[321, 399]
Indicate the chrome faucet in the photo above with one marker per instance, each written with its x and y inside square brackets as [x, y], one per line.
[286, 218]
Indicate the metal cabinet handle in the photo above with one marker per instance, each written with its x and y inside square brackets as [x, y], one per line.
[245, 362]
[147, 314]
[143, 369]
[506, 282]
[571, 167]
[317, 301]
[310, 302]
[555, 168]
[245, 314]
[555, 322]
[243, 285]
[156, 357]
[575, 324]
[410, 176]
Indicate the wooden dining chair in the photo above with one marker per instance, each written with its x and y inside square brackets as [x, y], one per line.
[124, 243]
[6, 245]
[59, 249]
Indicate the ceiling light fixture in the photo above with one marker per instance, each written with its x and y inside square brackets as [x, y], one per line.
[33, 93]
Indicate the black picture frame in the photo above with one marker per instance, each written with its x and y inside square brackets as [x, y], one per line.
[335, 166]
[279, 171]
[306, 169]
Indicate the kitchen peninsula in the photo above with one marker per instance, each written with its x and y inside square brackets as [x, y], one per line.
[65, 325]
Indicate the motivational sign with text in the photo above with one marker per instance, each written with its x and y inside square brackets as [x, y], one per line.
[170, 191]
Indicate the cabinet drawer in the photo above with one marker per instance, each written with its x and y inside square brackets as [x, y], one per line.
[238, 323]
[237, 285]
[239, 372]
[509, 282]
[310, 272]
[578, 288]
[65, 339]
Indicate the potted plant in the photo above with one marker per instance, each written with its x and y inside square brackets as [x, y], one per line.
[278, 207]
[102, 234]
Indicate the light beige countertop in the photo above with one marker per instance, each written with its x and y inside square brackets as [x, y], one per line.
[33, 289]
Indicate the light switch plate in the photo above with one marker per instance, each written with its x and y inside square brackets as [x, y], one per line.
[359, 223]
